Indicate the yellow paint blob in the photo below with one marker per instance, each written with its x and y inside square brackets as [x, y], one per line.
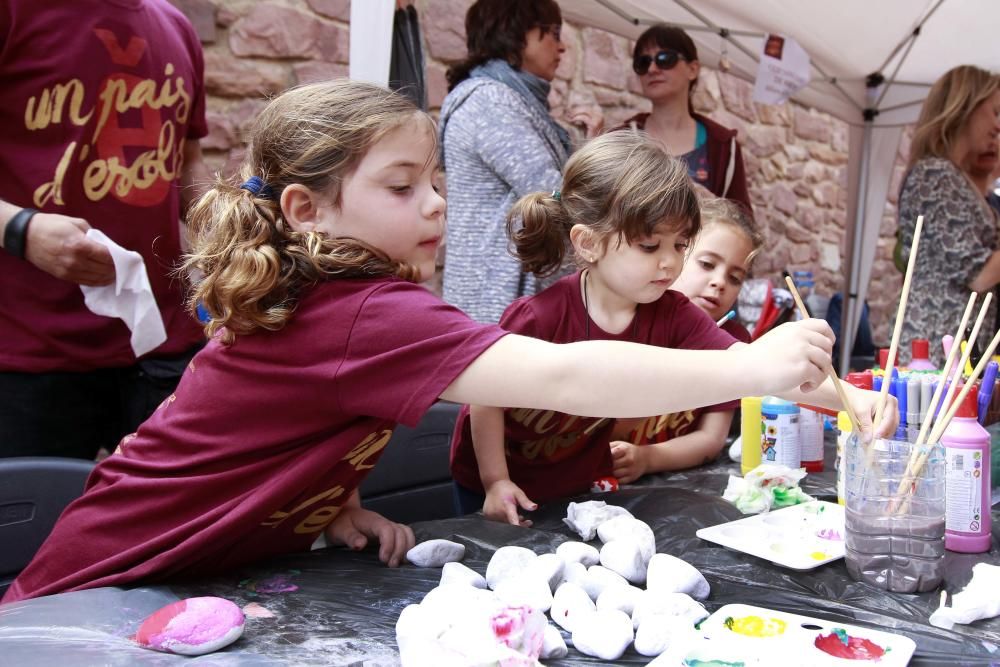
[819, 555]
[755, 626]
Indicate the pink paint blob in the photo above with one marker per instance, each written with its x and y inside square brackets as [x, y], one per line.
[194, 626]
[830, 534]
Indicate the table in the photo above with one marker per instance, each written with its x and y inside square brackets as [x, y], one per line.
[346, 605]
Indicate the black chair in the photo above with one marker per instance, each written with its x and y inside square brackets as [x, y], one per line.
[33, 493]
[412, 481]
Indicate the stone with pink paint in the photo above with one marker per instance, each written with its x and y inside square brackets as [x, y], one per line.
[194, 626]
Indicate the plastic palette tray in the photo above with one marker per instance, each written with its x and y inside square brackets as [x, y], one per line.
[739, 634]
[801, 537]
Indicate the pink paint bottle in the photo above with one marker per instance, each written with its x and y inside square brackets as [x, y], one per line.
[967, 506]
[920, 355]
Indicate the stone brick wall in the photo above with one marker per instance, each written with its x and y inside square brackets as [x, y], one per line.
[795, 157]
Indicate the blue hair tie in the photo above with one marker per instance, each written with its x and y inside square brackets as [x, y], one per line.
[258, 188]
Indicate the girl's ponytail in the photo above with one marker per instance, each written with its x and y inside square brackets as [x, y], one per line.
[538, 228]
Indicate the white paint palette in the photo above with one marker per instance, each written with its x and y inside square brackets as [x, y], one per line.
[741, 634]
[801, 537]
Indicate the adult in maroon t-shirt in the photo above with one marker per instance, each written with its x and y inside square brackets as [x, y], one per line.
[207, 485]
[101, 109]
[553, 455]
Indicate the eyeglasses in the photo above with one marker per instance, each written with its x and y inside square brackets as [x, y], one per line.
[664, 60]
[554, 28]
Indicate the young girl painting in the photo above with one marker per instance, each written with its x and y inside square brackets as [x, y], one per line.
[629, 212]
[321, 342]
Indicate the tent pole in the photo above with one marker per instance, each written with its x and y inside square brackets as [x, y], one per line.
[848, 323]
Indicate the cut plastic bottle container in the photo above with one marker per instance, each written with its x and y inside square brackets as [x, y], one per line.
[894, 541]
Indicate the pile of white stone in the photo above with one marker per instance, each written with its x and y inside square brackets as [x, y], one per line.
[594, 594]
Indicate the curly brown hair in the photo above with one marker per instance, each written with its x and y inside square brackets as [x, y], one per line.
[249, 264]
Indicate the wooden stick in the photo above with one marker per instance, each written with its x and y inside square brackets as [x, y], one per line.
[966, 353]
[940, 426]
[900, 313]
[830, 372]
[949, 363]
[935, 399]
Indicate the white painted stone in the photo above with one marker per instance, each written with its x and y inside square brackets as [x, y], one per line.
[548, 567]
[574, 572]
[625, 556]
[456, 573]
[569, 604]
[525, 590]
[599, 578]
[659, 632]
[622, 598]
[669, 574]
[435, 553]
[603, 634]
[553, 644]
[579, 552]
[506, 561]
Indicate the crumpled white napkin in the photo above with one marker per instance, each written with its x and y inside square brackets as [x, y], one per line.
[979, 599]
[130, 297]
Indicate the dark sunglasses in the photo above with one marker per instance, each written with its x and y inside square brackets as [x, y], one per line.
[664, 60]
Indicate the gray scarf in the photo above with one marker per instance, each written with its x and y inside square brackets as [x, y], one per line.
[535, 91]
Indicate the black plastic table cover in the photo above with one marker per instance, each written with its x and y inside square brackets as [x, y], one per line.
[345, 604]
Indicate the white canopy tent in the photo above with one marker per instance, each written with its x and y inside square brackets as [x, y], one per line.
[873, 63]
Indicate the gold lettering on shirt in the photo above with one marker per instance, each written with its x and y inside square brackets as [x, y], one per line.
[318, 520]
[134, 163]
[546, 447]
[663, 427]
[372, 444]
[48, 107]
[278, 517]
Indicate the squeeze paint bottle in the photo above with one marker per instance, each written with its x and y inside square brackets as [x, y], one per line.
[751, 433]
[967, 505]
[780, 441]
[811, 438]
[920, 355]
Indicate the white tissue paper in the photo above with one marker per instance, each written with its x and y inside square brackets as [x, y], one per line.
[979, 599]
[130, 297]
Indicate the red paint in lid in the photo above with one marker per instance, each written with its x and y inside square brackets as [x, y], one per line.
[920, 348]
[859, 379]
[883, 357]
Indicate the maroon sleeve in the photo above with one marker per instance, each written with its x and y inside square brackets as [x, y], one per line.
[405, 347]
[521, 318]
[197, 122]
[737, 331]
[738, 188]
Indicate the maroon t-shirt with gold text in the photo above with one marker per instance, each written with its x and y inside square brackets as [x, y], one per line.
[549, 455]
[263, 441]
[97, 100]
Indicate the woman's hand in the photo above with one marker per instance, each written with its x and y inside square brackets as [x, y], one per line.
[354, 526]
[591, 121]
[503, 498]
[629, 461]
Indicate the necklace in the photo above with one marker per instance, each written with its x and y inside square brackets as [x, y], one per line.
[586, 308]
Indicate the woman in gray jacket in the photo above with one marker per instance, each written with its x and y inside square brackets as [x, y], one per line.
[499, 142]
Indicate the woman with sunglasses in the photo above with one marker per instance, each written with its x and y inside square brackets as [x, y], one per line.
[666, 60]
[498, 143]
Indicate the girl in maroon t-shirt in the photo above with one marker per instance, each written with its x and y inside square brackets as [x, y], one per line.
[628, 211]
[713, 273]
[322, 342]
